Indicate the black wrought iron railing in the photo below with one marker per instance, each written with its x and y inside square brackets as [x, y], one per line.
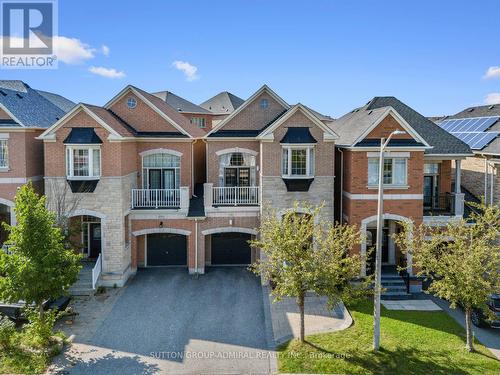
[442, 204]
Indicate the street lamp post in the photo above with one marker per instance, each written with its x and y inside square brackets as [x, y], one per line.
[378, 248]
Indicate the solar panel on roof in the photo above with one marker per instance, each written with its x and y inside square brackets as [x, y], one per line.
[486, 139]
[476, 124]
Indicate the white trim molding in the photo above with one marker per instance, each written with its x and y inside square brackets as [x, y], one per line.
[229, 230]
[386, 196]
[20, 180]
[236, 149]
[160, 151]
[85, 212]
[161, 230]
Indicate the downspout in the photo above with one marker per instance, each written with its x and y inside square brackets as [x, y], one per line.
[341, 219]
[492, 181]
[192, 167]
[196, 247]
[485, 179]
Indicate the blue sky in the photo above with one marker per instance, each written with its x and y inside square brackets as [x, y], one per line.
[330, 55]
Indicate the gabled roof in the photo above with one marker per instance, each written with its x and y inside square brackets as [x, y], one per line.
[31, 108]
[169, 113]
[247, 102]
[180, 104]
[267, 131]
[352, 126]
[102, 116]
[223, 103]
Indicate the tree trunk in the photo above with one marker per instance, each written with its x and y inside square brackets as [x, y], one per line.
[40, 311]
[468, 330]
[300, 302]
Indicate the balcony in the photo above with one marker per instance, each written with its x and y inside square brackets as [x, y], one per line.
[160, 198]
[231, 196]
[443, 207]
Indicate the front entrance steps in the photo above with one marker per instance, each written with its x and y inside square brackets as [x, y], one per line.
[394, 287]
[83, 286]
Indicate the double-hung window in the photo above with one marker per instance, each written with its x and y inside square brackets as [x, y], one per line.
[83, 162]
[297, 162]
[394, 174]
[4, 153]
[199, 122]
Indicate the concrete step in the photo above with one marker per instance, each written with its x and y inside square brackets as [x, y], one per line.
[395, 296]
[393, 282]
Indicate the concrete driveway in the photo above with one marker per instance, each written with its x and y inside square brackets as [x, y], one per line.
[166, 321]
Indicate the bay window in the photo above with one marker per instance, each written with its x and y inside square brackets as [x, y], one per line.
[394, 174]
[83, 162]
[297, 162]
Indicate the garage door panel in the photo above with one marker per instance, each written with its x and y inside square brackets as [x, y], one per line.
[166, 249]
[231, 248]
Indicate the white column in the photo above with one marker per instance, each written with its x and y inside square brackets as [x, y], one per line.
[184, 195]
[459, 197]
[409, 260]
[485, 180]
[208, 194]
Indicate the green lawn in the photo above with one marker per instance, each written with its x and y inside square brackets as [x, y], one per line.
[413, 342]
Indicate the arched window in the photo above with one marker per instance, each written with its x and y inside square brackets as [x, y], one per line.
[237, 169]
[161, 171]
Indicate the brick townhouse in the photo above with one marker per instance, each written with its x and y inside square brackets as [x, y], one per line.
[151, 186]
[479, 127]
[24, 114]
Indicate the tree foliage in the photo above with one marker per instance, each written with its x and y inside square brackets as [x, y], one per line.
[38, 266]
[304, 253]
[462, 260]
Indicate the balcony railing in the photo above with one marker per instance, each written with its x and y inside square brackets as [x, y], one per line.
[156, 198]
[235, 196]
[439, 205]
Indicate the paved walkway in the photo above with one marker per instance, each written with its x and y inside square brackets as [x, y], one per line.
[285, 317]
[412, 304]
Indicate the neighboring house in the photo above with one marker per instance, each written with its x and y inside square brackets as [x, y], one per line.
[222, 105]
[24, 114]
[417, 173]
[143, 198]
[198, 116]
[479, 127]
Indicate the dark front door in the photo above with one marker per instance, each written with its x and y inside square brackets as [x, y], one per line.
[231, 248]
[95, 240]
[430, 191]
[373, 245]
[166, 249]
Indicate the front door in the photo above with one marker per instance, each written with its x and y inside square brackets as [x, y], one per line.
[373, 244]
[430, 191]
[95, 240]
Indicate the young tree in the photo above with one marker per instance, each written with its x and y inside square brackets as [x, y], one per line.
[38, 266]
[304, 253]
[462, 260]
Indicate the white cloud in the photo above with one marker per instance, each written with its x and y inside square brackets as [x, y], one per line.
[105, 50]
[105, 72]
[493, 98]
[72, 50]
[190, 71]
[492, 72]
